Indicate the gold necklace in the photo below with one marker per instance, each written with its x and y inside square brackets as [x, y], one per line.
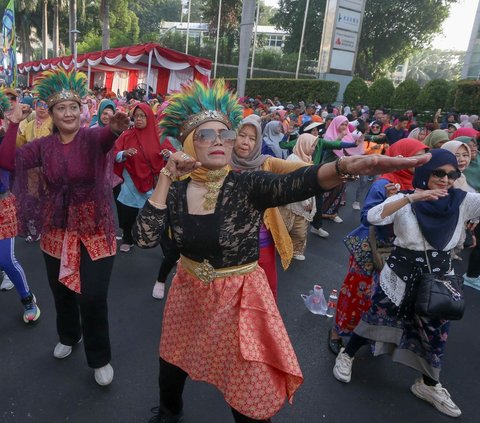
[214, 183]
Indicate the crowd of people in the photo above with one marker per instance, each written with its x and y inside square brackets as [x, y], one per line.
[223, 185]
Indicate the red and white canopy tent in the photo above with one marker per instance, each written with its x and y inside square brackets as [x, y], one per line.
[122, 69]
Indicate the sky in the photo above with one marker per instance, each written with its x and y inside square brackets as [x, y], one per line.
[456, 28]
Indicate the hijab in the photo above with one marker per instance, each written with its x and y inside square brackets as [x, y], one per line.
[465, 132]
[437, 219]
[255, 158]
[333, 134]
[465, 121]
[415, 133]
[406, 147]
[472, 172]
[434, 137]
[144, 166]
[272, 136]
[453, 146]
[303, 147]
[96, 121]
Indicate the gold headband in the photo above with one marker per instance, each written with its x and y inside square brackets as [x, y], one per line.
[196, 120]
[63, 95]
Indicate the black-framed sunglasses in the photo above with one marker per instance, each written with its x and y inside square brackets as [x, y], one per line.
[207, 136]
[452, 175]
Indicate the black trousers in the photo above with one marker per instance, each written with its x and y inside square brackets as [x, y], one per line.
[171, 381]
[317, 221]
[85, 313]
[126, 219]
[171, 254]
[473, 270]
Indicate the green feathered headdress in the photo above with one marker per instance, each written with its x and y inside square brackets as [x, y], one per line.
[54, 86]
[5, 105]
[195, 104]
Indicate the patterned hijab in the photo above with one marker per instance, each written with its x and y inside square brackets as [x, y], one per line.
[442, 213]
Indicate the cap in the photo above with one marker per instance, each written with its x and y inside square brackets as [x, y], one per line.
[312, 125]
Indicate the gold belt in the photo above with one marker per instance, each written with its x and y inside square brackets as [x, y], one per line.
[207, 273]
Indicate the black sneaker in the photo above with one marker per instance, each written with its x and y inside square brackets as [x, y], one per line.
[334, 344]
[159, 416]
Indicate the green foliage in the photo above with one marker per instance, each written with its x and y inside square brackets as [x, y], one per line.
[466, 96]
[151, 12]
[380, 93]
[355, 92]
[406, 94]
[434, 95]
[292, 90]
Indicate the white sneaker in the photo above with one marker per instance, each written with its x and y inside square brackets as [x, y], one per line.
[104, 375]
[356, 205]
[343, 367]
[320, 232]
[158, 290]
[299, 257]
[125, 248]
[338, 219]
[6, 284]
[62, 351]
[437, 396]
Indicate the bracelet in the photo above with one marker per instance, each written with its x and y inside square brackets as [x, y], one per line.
[343, 175]
[157, 205]
[409, 198]
[168, 174]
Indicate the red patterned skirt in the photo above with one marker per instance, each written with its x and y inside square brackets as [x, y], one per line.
[8, 217]
[230, 333]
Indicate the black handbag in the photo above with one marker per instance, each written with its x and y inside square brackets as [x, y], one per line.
[440, 296]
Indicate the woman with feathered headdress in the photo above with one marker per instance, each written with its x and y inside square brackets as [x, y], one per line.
[72, 211]
[221, 324]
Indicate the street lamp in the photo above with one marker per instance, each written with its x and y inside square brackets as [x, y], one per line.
[75, 33]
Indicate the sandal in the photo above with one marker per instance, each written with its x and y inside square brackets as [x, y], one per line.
[334, 344]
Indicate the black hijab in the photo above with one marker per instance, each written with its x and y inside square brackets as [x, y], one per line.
[437, 219]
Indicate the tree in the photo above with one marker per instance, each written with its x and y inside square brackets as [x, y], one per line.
[380, 93]
[391, 30]
[105, 17]
[406, 94]
[434, 95]
[355, 92]
[151, 12]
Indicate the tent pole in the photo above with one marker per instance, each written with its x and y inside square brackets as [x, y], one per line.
[149, 70]
[88, 74]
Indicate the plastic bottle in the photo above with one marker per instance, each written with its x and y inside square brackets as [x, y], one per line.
[332, 303]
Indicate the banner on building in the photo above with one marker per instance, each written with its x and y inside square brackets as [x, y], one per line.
[9, 55]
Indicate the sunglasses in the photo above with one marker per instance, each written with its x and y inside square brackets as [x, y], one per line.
[440, 174]
[41, 104]
[207, 137]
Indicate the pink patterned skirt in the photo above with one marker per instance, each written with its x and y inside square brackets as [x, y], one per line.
[230, 333]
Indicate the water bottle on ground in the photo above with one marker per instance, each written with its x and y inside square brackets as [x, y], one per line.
[332, 303]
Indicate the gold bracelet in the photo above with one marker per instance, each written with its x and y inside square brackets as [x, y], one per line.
[157, 205]
[168, 174]
[342, 175]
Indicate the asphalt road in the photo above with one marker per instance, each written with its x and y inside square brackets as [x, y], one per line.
[35, 387]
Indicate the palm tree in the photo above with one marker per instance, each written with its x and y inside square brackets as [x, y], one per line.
[44, 5]
[104, 15]
[24, 23]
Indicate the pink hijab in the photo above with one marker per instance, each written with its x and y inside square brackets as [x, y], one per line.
[333, 134]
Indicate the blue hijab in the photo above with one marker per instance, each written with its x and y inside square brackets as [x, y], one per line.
[437, 219]
[103, 105]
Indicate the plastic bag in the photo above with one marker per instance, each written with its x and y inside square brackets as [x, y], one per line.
[316, 302]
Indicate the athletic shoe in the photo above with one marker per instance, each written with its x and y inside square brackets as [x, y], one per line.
[299, 257]
[125, 248]
[335, 345]
[158, 290]
[6, 284]
[343, 367]
[338, 219]
[31, 312]
[61, 351]
[159, 416]
[320, 232]
[104, 375]
[437, 396]
[471, 282]
[356, 205]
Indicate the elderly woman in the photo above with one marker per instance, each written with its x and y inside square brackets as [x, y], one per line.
[247, 156]
[72, 211]
[415, 341]
[221, 323]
